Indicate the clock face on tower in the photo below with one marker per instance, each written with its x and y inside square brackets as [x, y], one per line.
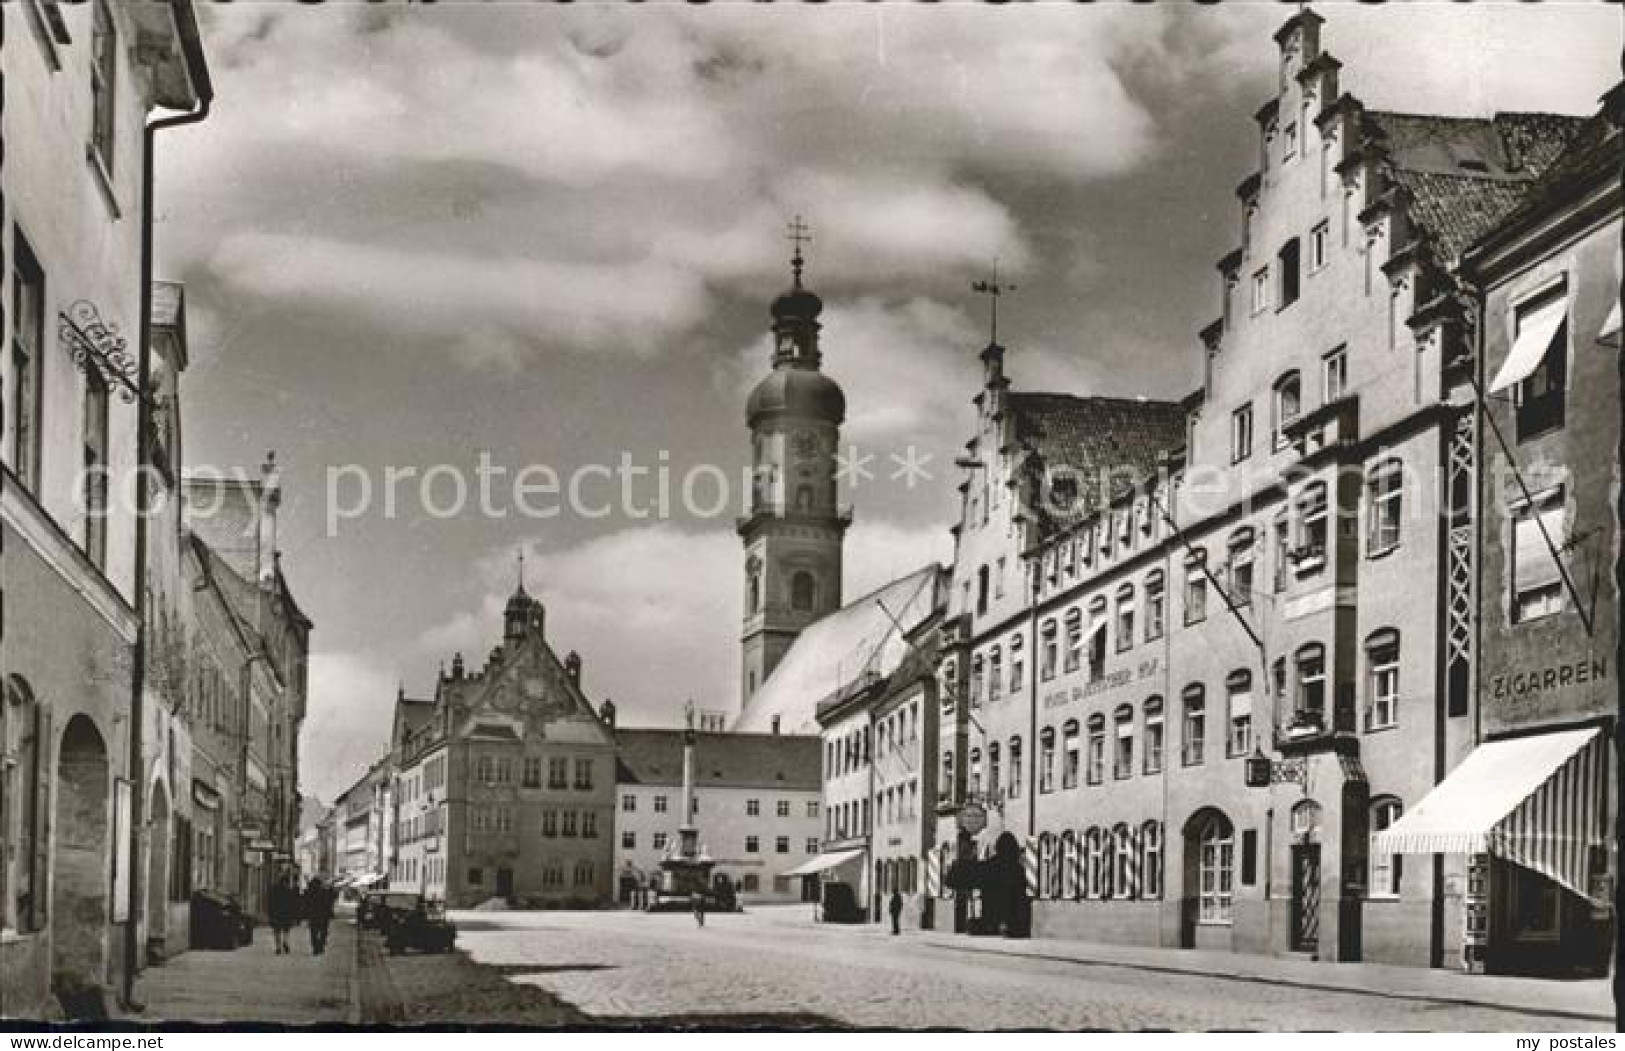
[804, 444]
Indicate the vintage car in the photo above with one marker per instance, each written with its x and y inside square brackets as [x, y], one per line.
[417, 924]
[375, 908]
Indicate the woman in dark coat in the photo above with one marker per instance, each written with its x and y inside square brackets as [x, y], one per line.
[284, 910]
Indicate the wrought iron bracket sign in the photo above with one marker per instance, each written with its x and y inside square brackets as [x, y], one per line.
[1262, 771]
[94, 343]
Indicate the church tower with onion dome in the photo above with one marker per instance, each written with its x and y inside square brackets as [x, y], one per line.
[795, 528]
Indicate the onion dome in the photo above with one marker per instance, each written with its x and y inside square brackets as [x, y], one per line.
[799, 392]
[797, 304]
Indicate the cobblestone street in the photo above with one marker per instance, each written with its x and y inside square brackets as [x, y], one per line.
[632, 965]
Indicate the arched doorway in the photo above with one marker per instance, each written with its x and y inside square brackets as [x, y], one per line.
[79, 891]
[158, 854]
[1209, 879]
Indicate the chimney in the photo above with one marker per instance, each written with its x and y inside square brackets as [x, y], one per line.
[572, 668]
[606, 714]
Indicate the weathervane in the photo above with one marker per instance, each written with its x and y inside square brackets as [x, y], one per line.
[799, 233]
[993, 290]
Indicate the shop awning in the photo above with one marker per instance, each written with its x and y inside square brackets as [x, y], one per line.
[822, 862]
[1535, 801]
[1535, 334]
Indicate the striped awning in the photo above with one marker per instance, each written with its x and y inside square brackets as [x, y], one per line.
[1535, 801]
[822, 862]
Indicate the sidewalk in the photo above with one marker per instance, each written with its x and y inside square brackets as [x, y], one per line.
[1591, 999]
[254, 984]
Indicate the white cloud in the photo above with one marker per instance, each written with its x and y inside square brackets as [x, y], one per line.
[348, 721]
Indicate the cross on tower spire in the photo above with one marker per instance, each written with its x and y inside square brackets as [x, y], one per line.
[521, 568]
[799, 233]
[993, 290]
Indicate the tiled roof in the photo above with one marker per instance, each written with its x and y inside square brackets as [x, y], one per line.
[728, 760]
[837, 650]
[1466, 174]
[1105, 443]
[1594, 150]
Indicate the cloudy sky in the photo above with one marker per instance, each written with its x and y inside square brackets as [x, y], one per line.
[415, 235]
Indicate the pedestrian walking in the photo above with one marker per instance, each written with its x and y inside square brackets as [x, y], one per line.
[318, 913]
[284, 910]
[698, 901]
[896, 909]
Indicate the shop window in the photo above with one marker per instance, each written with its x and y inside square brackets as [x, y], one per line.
[1151, 860]
[1215, 842]
[1094, 851]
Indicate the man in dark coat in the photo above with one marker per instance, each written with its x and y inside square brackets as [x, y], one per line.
[896, 909]
[284, 910]
[318, 913]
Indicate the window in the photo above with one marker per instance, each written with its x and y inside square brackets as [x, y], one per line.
[995, 673]
[1309, 705]
[802, 591]
[1239, 741]
[95, 465]
[533, 774]
[558, 771]
[1241, 567]
[753, 845]
[1125, 863]
[1281, 530]
[660, 804]
[1287, 260]
[1097, 638]
[1074, 640]
[978, 675]
[103, 77]
[1288, 403]
[1014, 790]
[1542, 328]
[1382, 660]
[28, 341]
[1241, 433]
[1125, 617]
[1071, 755]
[975, 784]
[998, 579]
[584, 773]
[1384, 493]
[1123, 756]
[812, 844]
[981, 591]
[1249, 857]
[1335, 373]
[1154, 606]
[812, 808]
[589, 824]
[1151, 860]
[504, 819]
[629, 841]
[567, 823]
[583, 873]
[1261, 290]
[1216, 848]
[781, 845]
[1289, 142]
[1017, 679]
[476, 876]
[1319, 246]
[1046, 656]
[485, 769]
[1195, 587]
[1195, 725]
[550, 822]
[1046, 760]
[1537, 578]
[1097, 748]
[629, 803]
[1312, 528]
[945, 787]
[659, 841]
[24, 731]
[1153, 735]
[753, 808]
[993, 770]
[782, 808]
[1385, 868]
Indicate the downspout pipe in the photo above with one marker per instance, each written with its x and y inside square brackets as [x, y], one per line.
[192, 47]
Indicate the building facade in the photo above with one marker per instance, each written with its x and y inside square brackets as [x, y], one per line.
[506, 789]
[79, 85]
[755, 801]
[1532, 810]
[1198, 663]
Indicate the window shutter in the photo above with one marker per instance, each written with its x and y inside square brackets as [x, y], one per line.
[1534, 566]
[44, 768]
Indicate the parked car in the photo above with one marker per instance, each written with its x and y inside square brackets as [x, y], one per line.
[421, 925]
[218, 921]
[373, 912]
